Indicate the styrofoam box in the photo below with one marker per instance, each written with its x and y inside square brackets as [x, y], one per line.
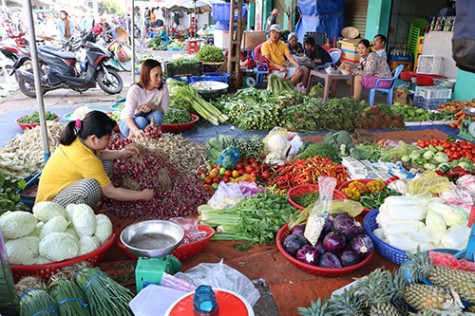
[429, 64]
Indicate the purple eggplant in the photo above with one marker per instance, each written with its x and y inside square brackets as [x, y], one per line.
[362, 244]
[298, 230]
[348, 257]
[328, 227]
[319, 247]
[334, 242]
[292, 243]
[346, 225]
[307, 254]
[329, 260]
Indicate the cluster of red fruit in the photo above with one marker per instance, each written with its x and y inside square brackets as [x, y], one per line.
[245, 170]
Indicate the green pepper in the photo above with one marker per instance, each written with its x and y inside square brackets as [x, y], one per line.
[444, 168]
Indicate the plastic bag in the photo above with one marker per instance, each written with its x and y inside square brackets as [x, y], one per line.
[220, 275]
[316, 91]
[428, 184]
[228, 158]
[190, 227]
[457, 195]
[230, 194]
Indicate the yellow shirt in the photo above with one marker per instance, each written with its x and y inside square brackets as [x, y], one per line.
[67, 165]
[277, 52]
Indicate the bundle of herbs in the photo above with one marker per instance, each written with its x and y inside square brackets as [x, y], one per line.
[34, 298]
[210, 54]
[175, 116]
[176, 192]
[255, 219]
[67, 294]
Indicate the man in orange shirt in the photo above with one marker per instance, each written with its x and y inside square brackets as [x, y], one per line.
[279, 57]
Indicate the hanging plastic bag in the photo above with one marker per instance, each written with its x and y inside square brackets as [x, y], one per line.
[220, 275]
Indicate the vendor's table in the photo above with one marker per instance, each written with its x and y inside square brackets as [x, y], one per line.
[329, 80]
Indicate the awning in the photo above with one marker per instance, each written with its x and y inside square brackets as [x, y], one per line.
[187, 6]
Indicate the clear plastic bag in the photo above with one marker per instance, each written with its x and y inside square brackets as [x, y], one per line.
[190, 227]
[220, 275]
[228, 158]
[230, 194]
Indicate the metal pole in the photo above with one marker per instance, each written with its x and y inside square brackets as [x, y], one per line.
[36, 74]
[132, 27]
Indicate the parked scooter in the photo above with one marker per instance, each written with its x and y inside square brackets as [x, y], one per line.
[61, 71]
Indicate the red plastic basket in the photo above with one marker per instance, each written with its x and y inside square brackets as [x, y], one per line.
[184, 251]
[30, 126]
[300, 190]
[408, 75]
[178, 128]
[46, 270]
[325, 272]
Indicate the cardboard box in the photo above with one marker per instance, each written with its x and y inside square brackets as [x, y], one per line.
[253, 38]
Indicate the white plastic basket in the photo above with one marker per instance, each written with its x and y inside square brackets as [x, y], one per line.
[429, 64]
[433, 93]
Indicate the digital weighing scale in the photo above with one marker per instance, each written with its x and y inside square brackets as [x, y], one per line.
[467, 128]
[153, 262]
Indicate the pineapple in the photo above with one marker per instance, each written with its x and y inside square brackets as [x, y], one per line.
[317, 308]
[424, 313]
[462, 282]
[377, 292]
[424, 297]
[348, 303]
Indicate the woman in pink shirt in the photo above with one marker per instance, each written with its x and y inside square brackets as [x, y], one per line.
[146, 99]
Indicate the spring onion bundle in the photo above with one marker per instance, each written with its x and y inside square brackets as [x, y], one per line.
[103, 294]
[33, 298]
[68, 296]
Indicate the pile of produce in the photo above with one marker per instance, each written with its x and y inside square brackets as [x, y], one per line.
[409, 222]
[297, 172]
[9, 198]
[371, 194]
[156, 44]
[184, 97]
[412, 113]
[457, 107]
[77, 290]
[34, 118]
[183, 65]
[53, 233]
[177, 190]
[453, 149]
[342, 243]
[24, 153]
[175, 116]
[276, 84]
[248, 147]
[256, 219]
[380, 117]
[210, 54]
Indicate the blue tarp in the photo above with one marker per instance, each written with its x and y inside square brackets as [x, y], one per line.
[320, 16]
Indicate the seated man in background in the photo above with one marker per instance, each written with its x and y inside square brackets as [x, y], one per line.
[379, 42]
[276, 52]
[316, 53]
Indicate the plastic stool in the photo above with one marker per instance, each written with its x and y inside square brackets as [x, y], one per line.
[193, 47]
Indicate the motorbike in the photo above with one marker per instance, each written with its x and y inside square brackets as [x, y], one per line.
[60, 71]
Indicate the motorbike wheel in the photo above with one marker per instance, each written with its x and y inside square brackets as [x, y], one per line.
[27, 87]
[109, 82]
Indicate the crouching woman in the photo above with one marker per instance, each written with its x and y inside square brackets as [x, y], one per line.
[79, 170]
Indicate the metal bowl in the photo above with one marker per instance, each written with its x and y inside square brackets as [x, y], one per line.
[152, 238]
[469, 111]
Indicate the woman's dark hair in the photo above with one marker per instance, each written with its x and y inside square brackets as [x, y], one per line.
[147, 67]
[94, 123]
[365, 42]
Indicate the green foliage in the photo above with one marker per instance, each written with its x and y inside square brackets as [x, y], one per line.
[110, 7]
[210, 54]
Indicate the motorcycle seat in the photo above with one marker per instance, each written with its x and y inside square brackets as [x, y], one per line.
[57, 53]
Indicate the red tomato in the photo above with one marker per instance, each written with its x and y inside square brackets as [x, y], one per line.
[456, 155]
[241, 172]
[228, 173]
[201, 171]
[208, 180]
[249, 169]
[254, 173]
[238, 166]
[265, 175]
[255, 165]
[226, 179]
[217, 180]
[252, 159]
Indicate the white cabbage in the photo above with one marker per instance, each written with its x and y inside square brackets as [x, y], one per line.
[42, 260]
[103, 228]
[59, 246]
[17, 224]
[46, 210]
[84, 220]
[87, 244]
[70, 230]
[435, 223]
[70, 211]
[36, 232]
[56, 224]
[452, 215]
[22, 250]
[456, 237]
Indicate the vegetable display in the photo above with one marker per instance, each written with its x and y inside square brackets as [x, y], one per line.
[412, 113]
[210, 54]
[175, 116]
[34, 118]
[9, 198]
[380, 117]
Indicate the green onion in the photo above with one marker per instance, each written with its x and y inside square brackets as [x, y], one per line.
[69, 297]
[33, 298]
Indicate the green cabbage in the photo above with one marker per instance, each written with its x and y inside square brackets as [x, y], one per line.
[84, 220]
[46, 210]
[36, 232]
[72, 231]
[42, 260]
[17, 224]
[56, 224]
[436, 224]
[103, 228]
[87, 244]
[452, 215]
[59, 246]
[22, 250]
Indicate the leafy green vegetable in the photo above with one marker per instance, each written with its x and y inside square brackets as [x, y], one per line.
[370, 151]
[375, 200]
[175, 116]
[209, 53]
[307, 199]
[34, 118]
[9, 198]
[321, 150]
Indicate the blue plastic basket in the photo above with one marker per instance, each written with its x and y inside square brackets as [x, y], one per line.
[389, 252]
[210, 76]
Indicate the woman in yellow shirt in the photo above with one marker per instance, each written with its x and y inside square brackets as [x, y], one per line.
[78, 171]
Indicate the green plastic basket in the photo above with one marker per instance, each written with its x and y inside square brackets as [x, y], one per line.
[415, 30]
